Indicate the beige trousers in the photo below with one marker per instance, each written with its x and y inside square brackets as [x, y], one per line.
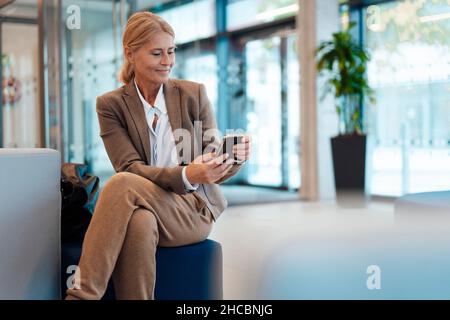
[133, 216]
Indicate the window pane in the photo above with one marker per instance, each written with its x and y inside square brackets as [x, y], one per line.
[245, 13]
[192, 21]
[410, 70]
[199, 66]
[203, 69]
[21, 120]
[263, 74]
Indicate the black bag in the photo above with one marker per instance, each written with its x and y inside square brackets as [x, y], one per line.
[79, 193]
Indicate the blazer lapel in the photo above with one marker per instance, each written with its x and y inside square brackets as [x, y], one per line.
[173, 104]
[136, 109]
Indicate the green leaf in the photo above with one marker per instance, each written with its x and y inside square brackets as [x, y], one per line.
[343, 62]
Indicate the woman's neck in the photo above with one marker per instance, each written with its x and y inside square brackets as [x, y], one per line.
[148, 90]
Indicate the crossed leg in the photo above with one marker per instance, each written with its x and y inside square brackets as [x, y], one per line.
[132, 216]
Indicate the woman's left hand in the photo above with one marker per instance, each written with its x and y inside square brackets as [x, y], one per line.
[242, 151]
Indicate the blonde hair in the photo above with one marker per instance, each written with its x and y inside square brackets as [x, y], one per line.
[140, 29]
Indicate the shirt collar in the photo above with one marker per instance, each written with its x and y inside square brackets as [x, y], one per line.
[160, 102]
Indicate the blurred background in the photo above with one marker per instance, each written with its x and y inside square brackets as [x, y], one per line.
[246, 52]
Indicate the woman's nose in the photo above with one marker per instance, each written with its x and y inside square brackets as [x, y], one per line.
[165, 59]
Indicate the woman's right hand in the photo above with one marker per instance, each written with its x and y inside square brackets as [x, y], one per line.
[207, 168]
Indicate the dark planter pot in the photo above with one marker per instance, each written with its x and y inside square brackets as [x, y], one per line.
[349, 160]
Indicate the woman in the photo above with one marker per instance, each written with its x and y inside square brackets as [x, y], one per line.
[155, 198]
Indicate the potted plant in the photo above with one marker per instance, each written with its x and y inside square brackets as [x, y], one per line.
[343, 62]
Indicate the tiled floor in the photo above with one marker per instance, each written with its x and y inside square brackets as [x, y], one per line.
[303, 250]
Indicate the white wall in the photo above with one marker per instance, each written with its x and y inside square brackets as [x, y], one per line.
[327, 15]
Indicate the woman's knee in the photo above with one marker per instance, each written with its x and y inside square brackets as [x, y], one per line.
[121, 182]
[143, 225]
[127, 179]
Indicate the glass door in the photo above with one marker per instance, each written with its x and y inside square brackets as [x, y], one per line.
[264, 114]
[272, 110]
[20, 115]
[410, 73]
[91, 60]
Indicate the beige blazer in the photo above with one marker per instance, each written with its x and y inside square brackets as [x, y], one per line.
[124, 130]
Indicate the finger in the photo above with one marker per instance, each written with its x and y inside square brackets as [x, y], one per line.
[220, 160]
[243, 155]
[241, 158]
[225, 169]
[242, 150]
[217, 161]
[240, 147]
[229, 161]
[208, 157]
[203, 158]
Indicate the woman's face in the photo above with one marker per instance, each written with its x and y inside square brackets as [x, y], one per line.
[154, 60]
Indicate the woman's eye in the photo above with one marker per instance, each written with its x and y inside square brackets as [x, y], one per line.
[157, 54]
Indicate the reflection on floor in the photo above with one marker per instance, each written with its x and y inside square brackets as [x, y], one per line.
[240, 195]
[316, 250]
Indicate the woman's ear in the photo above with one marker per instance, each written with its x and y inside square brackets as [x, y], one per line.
[130, 55]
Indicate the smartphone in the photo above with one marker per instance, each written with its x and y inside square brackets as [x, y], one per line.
[227, 144]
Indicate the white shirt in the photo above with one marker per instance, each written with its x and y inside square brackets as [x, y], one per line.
[162, 142]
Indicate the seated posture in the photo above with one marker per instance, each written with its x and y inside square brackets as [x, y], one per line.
[157, 132]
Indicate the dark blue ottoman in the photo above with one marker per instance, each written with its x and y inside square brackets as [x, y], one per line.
[192, 272]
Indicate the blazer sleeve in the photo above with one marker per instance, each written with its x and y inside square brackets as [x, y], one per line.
[209, 130]
[124, 156]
